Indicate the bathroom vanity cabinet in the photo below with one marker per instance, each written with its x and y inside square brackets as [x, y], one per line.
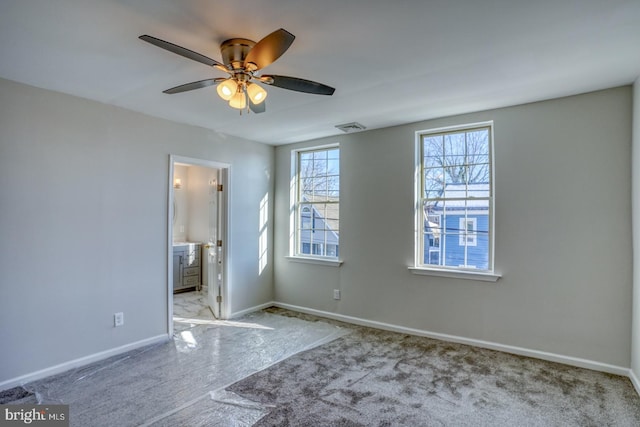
[187, 266]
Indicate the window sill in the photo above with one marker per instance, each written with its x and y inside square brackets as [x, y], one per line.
[319, 261]
[456, 274]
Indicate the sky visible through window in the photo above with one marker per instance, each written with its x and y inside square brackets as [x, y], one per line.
[456, 199]
[318, 202]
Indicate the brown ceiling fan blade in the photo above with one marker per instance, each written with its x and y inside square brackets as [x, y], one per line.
[269, 49]
[193, 85]
[183, 51]
[300, 85]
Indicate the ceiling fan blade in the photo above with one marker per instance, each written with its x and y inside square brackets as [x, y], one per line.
[268, 49]
[257, 108]
[193, 85]
[300, 85]
[183, 51]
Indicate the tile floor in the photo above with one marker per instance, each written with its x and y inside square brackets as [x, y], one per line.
[190, 309]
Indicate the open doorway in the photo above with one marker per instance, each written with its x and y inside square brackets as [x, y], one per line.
[197, 240]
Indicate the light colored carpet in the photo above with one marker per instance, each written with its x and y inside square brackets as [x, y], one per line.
[377, 378]
[365, 378]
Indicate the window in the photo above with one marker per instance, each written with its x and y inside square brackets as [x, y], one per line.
[317, 203]
[455, 199]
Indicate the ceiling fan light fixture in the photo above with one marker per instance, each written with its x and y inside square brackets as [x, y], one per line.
[238, 101]
[227, 89]
[242, 59]
[256, 93]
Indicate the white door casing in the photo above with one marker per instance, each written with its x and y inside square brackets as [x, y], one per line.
[220, 252]
[213, 248]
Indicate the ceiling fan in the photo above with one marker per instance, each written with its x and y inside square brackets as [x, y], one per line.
[242, 59]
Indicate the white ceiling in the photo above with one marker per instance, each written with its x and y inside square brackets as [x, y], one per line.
[391, 62]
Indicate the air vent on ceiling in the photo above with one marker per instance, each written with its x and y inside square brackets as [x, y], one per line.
[351, 127]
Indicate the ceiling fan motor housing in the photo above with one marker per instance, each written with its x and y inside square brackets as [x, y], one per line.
[234, 52]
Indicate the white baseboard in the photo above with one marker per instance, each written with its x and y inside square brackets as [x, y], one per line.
[252, 309]
[552, 357]
[82, 361]
[634, 380]
[567, 360]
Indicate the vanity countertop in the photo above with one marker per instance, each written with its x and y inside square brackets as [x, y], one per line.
[186, 244]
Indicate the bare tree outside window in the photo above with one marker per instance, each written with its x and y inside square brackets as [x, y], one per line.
[456, 198]
[320, 175]
[455, 158]
[318, 200]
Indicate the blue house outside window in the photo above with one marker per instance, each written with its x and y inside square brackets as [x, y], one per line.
[456, 199]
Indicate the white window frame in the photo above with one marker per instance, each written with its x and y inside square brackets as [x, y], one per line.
[419, 266]
[294, 239]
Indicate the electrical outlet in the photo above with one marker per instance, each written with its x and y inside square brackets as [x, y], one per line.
[118, 319]
[336, 294]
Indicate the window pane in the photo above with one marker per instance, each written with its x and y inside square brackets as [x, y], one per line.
[478, 173]
[433, 183]
[332, 216]
[333, 154]
[467, 229]
[454, 259]
[432, 232]
[306, 168]
[433, 162]
[333, 186]
[332, 250]
[433, 152]
[319, 166]
[454, 174]
[306, 249]
[456, 178]
[306, 192]
[455, 190]
[333, 166]
[455, 149]
[304, 220]
[478, 143]
[478, 206]
[432, 146]
[482, 225]
[318, 219]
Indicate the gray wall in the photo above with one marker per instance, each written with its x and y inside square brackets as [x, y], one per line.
[635, 337]
[563, 241]
[83, 224]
